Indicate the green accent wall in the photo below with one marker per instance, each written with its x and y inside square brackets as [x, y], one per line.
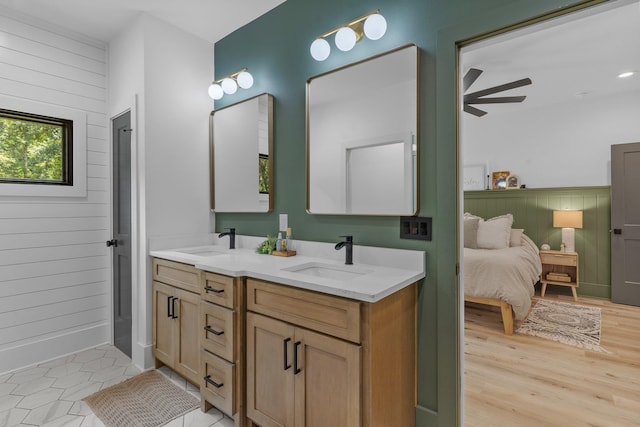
[532, 210]
[275, 48]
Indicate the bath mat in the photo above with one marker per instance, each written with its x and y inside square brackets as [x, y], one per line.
[147, 400]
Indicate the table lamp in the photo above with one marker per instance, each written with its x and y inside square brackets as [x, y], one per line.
[568, 221]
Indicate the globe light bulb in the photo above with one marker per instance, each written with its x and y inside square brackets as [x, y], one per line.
[375, 26]
[245, 80]
[229, 86]
[320, 49]
[215, 91]
[345, 39]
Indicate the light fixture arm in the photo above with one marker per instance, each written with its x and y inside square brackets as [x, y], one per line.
[230, 76]
[351, 24]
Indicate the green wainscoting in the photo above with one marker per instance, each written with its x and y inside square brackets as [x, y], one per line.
[532, 210]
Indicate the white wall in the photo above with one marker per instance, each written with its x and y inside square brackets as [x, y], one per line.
[168, 71]
[54, 265]
[565, 145]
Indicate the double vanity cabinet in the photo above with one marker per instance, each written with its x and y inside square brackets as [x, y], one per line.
[269, 353]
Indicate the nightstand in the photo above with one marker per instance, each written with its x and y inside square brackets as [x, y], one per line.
[559, 268]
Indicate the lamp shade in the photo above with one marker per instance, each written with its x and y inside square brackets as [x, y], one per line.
[245, 80]
[567, 219]
[215, 91]
[346, 39]
[320, 49]
[375, 26]
[229, 86]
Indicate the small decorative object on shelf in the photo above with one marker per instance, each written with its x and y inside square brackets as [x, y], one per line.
[499, 180]
[512, 182]
[545, 247]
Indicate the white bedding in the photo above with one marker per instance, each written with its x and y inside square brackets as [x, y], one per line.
[508, 274]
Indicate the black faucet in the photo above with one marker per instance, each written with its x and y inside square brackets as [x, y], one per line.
[348, 244]
[232, 237]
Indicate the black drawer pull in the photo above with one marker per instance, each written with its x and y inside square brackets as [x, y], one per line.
[169, 314]
[173, 308]
[296, 370]
[210, 289]
[213, 331]
[212, 382]
[284, 349]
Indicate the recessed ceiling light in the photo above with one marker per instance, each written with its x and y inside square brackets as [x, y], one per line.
[626, 74]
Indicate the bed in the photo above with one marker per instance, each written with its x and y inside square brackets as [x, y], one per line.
[501, 274]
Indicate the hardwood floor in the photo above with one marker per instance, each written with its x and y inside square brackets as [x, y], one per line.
[521, 380]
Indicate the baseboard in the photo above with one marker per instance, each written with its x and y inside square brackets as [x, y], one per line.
[142, 356]
[594, 290]
[41, 351]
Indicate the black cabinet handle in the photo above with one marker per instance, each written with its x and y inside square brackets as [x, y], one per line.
[210, 289]
[169, 314]
[212, 382]
[296, 371]
[617, 231]
[173, 308]
[112, 242]
[284, 350]
[213, 331]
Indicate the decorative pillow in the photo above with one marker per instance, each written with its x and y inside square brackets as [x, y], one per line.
[516, 235]
[495, 233]
[471, 232]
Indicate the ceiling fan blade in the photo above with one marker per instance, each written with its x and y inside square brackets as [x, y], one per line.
[473, 110]
[497, 100]
[499, 88]
[469, 78]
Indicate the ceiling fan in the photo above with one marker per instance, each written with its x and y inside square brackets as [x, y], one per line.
[479, 97]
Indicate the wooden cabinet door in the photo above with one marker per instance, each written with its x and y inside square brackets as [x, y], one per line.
[327, 386]
[163, 325]
[270, 379]
[187, 361]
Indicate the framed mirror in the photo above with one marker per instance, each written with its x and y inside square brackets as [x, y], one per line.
[362, 137]
[241, 147]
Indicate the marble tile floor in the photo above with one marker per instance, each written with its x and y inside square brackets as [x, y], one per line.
[50, 394]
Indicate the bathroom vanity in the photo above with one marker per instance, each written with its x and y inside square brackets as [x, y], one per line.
[299, 341]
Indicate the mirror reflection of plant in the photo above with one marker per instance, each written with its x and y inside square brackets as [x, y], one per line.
[263, 173]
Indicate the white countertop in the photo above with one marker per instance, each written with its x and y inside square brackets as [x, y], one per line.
[369, 282]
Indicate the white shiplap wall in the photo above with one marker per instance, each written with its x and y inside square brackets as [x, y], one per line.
[54, 266]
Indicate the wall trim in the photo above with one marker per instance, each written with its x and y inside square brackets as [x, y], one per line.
[38, 352]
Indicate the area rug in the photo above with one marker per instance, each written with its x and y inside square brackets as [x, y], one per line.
[147, 400]
[571, 324]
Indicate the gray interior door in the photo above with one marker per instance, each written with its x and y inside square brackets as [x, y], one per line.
[625, 223]
[121, 240]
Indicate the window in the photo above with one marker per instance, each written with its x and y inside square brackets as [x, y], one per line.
[35, 149]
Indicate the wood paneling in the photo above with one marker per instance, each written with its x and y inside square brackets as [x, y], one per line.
[531, 209]
[54, 267]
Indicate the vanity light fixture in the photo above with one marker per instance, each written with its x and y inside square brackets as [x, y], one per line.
[626, 74]
[372, 25]
[229, 84]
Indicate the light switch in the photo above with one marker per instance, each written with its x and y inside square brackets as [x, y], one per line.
[284, 221]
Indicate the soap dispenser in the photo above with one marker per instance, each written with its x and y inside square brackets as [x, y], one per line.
[279, 242]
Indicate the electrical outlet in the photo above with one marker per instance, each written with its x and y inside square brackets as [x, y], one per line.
[415, 227]
[284, 222]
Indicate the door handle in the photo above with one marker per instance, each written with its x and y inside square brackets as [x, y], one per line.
[210, 289]
[617, 231]
[284, 350]
[296, 370]
[169, 305]
[173, 308]
[112, 242]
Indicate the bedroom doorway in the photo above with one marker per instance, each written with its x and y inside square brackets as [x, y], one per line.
[540, 107]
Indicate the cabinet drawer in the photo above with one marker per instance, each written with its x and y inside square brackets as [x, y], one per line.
[218, 330]
[222, 373]
[180, 275]
[558, 259]
[329, 314]
[218, 289]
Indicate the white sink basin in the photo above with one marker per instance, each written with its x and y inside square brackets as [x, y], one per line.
[205, 251]
[328, 271]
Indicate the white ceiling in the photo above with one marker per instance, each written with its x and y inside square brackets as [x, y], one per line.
[210, 20]
[568, 58]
